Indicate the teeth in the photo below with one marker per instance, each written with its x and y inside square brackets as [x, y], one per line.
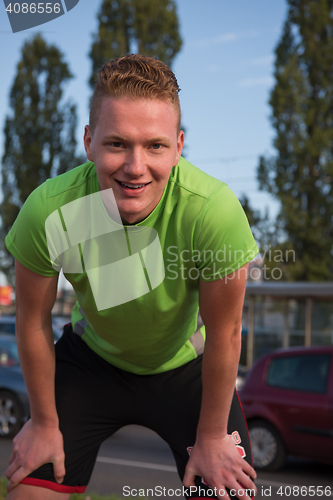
[132, 186]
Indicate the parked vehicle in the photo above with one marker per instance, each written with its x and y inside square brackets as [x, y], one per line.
[14, 401]
[288, 402]
[241, 376]
[7, 325]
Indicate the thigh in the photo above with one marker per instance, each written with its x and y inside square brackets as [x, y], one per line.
[28, 492]
[178, 412]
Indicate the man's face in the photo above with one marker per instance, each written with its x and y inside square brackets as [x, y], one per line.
[134, 146]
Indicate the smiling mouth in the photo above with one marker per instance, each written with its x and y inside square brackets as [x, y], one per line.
[133, 186]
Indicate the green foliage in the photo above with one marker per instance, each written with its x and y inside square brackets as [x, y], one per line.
[261, 225]
[147, 27]
[301, 173]
[3, 483]
[94, 496]
[39, 131]
[252, 215]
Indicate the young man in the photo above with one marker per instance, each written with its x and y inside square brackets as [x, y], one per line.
[145, 238]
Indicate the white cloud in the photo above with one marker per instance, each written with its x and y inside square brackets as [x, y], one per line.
[225, 38]
[256, 82]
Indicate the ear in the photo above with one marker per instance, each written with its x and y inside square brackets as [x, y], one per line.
[180, 145]
[87, 138]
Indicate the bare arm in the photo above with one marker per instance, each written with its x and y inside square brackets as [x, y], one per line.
[40, 440]
[214, 456]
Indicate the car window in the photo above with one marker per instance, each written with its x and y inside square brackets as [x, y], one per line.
[8, 354]
[302, 373]
[7, 327]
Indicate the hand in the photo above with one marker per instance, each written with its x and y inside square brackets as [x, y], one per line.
[219, 463]
[34, 446]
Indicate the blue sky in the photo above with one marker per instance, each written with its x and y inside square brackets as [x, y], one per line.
[225, 71]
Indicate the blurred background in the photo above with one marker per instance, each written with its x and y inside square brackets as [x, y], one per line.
[257, 110]
[256, 80]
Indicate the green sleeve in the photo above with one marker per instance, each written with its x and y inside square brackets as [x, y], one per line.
[26, 240]
[224, 240]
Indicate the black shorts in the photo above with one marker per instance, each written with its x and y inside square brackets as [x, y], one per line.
[94, 399]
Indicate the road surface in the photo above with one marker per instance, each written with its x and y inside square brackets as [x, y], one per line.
[137, 459]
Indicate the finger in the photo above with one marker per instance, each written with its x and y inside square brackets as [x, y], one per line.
[249, 470]
[12, 469]
[222, 494]
[246, 481]
[59, 469]
[239, 492]
[16, 478]
[248, 493]
[12, 457]
[242, 492]
[189, 478]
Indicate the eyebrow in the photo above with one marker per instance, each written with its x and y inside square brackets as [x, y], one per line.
[160, 139]
[113, 138]
[118, 138]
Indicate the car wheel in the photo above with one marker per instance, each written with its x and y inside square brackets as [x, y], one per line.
[267, 447]
[10, 414]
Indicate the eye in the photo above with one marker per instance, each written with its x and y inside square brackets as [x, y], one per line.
[116, 144]
[156, 146]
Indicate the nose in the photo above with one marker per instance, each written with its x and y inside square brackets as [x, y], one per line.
[135, 165]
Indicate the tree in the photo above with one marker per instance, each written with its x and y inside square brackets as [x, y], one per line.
[260, 223]
[301, 174]
[39, 131]
[148, 27]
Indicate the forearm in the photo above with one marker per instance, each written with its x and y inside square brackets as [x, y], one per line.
[37, 358]
[214, 456]
[40, 440]
[219, 371]
[35, 297]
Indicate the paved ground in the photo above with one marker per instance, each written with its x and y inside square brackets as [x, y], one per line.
[136, 458]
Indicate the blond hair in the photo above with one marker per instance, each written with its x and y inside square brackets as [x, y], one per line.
[135, 76]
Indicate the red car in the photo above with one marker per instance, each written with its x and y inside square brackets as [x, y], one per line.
[288, 403]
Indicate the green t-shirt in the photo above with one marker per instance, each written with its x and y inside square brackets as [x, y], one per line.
[137, 286]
